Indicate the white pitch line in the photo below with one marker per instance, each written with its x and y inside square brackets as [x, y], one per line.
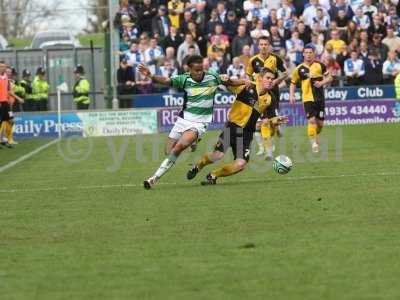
[128, 185]
[26, 156]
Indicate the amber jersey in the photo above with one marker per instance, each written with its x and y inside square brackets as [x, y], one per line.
[248, 106]
[4, 88]
[307, 76]
[272, 62]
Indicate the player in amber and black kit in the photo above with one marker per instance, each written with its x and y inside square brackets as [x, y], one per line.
[251, 103]
[266, 59]
[312, 76]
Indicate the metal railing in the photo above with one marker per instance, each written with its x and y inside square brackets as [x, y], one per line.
[59, 65]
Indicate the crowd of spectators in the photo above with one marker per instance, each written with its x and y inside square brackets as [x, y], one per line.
[358, 40]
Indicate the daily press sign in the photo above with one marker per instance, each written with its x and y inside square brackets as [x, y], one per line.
[222, 99]
[96, 123]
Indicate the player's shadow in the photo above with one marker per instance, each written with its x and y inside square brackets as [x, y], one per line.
[220, 184]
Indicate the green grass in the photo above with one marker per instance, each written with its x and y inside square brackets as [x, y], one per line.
[88, 230]
[7, 155]
[97, 38]
[20, 43]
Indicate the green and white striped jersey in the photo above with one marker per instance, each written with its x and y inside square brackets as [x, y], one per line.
[198, 96]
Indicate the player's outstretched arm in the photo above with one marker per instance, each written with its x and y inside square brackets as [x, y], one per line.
[278, 120]
[234, 82]
[145, 71]
[328, 78]
[281, 78]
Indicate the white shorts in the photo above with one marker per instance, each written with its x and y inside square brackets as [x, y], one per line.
[183, 125]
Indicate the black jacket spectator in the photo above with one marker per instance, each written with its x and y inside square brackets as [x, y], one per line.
[342, 21]
[212, 22]
[277, 42]
[161, 23]
[334, 11]
[126, 83]
[198, 37]
[381, 30]
[231, 24]
[236, 6]
[341, 58]
[146, 14]
[211, 4]
[299, 7]
[200, 19]
[376, 27]
[239, 41]
[284, 33]
[173, 40]
[125, 74]
[272, 20]
[187, 18]
[304, 33]
[378, 47]
[373, 69]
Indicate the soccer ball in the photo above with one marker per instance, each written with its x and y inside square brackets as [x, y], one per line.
[282, 164]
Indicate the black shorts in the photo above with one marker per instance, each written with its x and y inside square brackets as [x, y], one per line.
[315, 109]
[4, 111]
[236, 137]
[273, 109]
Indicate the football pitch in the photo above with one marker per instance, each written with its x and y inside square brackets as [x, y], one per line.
[76, 223]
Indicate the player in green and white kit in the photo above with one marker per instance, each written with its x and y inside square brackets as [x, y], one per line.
[199, 89]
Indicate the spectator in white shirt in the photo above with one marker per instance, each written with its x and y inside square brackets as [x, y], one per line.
[392, 41]
[133, 56]
[310, 12]
[236, 70]
[391, 67]
[167, 70]
[271, 4]
[285, 11]
[153, 55]
[354, 69]
[294, 48]
[259, 30]
[258, 11]
[392, 19]
[368, 8]
[362, 21]
[323, 20]
[355, 4]
[193, 4]
[248, 5]
[326, 4]
[319, 46]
